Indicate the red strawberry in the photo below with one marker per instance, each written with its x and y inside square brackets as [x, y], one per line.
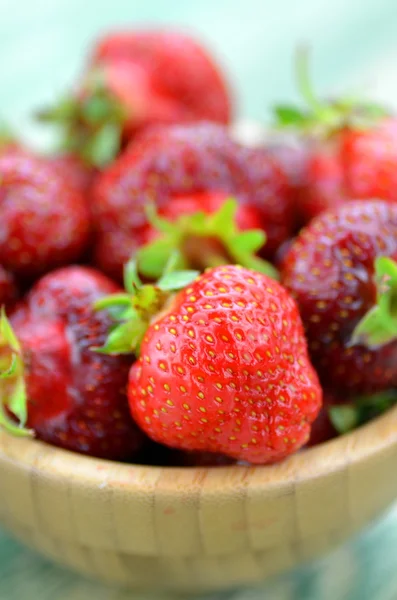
[176, 162]
[44, 221]
[223, 368]
[74, 170]
[8, 289]
[352, 151]
[353, 164]
[74, 397]
[342, 272]
[137, 79]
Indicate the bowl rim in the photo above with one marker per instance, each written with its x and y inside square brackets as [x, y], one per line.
[337, 454]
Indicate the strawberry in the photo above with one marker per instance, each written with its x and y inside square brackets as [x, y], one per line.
[222, 368]
[342, 272]
[351, 150]
[188, 164]
[323, 428]
[45, 221]
[70, 396]
[137, 79]
[77, 173]
[8, 289]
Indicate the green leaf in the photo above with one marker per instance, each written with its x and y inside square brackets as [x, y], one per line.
[378, 327]
[153, 257]
[177, 280]
[132, 281]
[345, 417]
[287, 115]
[103, 145]
[223, 221]
[124, 338]
[249, 241]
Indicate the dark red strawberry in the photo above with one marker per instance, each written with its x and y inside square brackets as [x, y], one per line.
[342, 271]
[138, 79]
[175, 162]
[222, 368]
[323, 428]
[44, 221]
[8, 288]
[69, 395]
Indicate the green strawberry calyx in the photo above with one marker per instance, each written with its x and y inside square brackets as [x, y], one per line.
[360, 410]
[91, 124]
[203, 240]
[13, 397]
[378, 327]
[322, 118]
[134, 311]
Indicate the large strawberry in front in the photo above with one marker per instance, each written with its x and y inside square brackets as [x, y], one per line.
[190, 165]
[222, 368]
[53, 382]
[342, 272]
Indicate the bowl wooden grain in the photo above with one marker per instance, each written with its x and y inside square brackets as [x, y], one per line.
[195, 528]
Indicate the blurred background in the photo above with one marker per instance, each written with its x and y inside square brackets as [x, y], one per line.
[353, 45]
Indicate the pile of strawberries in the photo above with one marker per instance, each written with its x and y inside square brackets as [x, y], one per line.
[172, 296]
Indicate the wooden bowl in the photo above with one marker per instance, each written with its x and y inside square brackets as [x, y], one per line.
[195, 528]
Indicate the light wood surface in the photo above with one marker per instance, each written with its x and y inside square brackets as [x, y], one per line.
[195, 528]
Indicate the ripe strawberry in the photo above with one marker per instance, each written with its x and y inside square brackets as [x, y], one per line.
[137, 79]
[8, 289]
[342, 271]
[70, 396]
[353, 164]
[223, 368]
[74, 170]
[352, 151]
[44, 221]
[190, 162]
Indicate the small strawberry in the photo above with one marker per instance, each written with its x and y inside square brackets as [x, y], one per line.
[137, 79]
[44, 221]
[187, 164]
[342, 272]
[222, 367]
[8, 288]
[53, 382]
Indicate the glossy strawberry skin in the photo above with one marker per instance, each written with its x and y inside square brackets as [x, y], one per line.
[8, 288]
[354, 164]
[162, 77]
[329, 271]
[226, 370]
[169, 162]
[45, 222]
[76, 397]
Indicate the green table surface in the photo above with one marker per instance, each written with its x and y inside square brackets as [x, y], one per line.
[354, 46]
